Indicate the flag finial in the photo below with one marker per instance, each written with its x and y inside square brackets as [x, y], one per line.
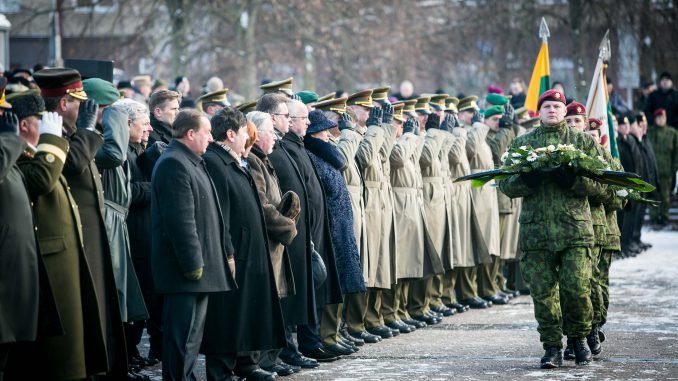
[604, 48]
[544, 33]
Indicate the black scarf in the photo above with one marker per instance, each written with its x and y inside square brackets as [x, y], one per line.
[326, 151]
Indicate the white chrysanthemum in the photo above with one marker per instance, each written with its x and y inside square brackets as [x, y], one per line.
[515, 161]
[531, 158]
[504, 156]
[516, 154]
[551, 148]
[523, 148]
[622, 193]
[541, 149]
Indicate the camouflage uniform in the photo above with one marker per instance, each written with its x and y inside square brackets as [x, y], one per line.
[665, 143]
[556, 237]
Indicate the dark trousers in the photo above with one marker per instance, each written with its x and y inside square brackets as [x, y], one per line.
[292, 348]
[153, 325]
[184, 317]
[627, 223]
[638, 222]
[224, 366]
[308, 337]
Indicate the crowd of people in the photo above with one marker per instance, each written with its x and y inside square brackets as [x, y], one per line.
[288, 231]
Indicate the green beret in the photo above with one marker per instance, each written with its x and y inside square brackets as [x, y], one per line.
[103, 92]
[496, 99]
[494, 110]
[307, 96]
[27, 103]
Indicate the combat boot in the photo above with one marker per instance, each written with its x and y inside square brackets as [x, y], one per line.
[593, 340]
[569, 350]
[582, 354]
[553, 358]
[601, 334]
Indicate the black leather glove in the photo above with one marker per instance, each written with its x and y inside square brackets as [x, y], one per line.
[87, 115]
[448, 123]
[375, 117]
[387, 109]
[9, 122]
[295, 97]
[433, 121]
[533, 178]
[477, 117]
[564, 177]
[410, 125]
[345, 122]
[506, 120]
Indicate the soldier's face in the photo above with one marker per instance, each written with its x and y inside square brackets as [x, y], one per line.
[493, 122]
[660, 120]
[576, 121]
[29, 129]
[552, 112]
[466, 116]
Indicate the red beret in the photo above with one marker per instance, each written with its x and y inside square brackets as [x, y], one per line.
[658, 112]
[551, 95]
[495, 90]
[595, 124]
[576, 108]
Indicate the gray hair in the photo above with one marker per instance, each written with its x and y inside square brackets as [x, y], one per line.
[258, 118]
[294, 105]
[131, 107]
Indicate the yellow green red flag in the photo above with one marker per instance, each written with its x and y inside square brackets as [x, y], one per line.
[540, 80]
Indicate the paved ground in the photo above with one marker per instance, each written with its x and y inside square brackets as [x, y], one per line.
[502, 342]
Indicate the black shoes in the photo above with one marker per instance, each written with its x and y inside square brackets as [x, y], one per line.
[300, 361]
[601, 334]
[582, 354]
[400, 326]
[553, 358]
[337, 350]
[496, 299]
[366, 337]
[415, 323]
[475, 303]
[593, 340]
[458, 307]
[513, 293]
[321, 355]
[260, 375]
[382, 331]
[355, 341]
[429, 320]
[283, 370]
[445, 311]
[569, 351]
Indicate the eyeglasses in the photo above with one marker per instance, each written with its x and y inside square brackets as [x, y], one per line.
[285, 115]
[298, 117]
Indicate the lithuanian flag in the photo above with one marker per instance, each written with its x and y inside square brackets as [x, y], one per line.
[540, 80]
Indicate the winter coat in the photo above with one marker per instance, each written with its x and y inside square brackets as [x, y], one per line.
[665, 144]
[348, 143]
[162, 132]
[112, 163]
[448, 254]
[668, 100]
[463, 252]
[389, 238]
[280, 229]
[81, 350]
[249, 318]
[187, 228]
[85, 185]
[485, 217]
[552, 218]
[416, 258]
[329, 162]
[330, 291]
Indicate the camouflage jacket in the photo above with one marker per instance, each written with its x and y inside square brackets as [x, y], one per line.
[553, 218]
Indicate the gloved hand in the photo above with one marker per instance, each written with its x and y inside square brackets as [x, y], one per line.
[87, 115]
[477, 117]
[410, 126]
[194, 275]
[433, 121]
[564, 177]
[9, 122]
[51, 123]
[533, 178]
[387, 109]
[506, 120]
[448, 123]
[295, 97]
[375, 117]
[346, 122]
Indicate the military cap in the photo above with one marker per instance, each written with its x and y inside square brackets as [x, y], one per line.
[437, 101]
[284, 86]
[531, 123]
[576, 108]
[398, 111]
[3, 101]
[551, 95]
[494, 110]
[422, 105]
[319, 122]
[142, 80]
[380, 94]
[246, 107]
[57, 82]
[496, 99]
[327, 97]
[361, 98]
[451, 104]
[307, 96]
[468, 103]
[337, 105]
[495, 89]
[658, 112]
[27, 103]
[409, 108]
[520, 112]
[595, 124]
[125, 85]
[103, 92]
[217, 97]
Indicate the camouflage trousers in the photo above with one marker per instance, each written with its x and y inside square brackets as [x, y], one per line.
[604, 269]
[556, 279]
[596, 292]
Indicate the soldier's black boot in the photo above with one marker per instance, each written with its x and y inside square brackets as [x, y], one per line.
[601, 334]
[553, 358]
[593, 340]
[569, 350]
[582, 354]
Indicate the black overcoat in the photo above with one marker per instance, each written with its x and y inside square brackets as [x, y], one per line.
[250, 318]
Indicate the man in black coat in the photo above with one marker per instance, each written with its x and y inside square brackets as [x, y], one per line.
[188, 257]
[665, 97]
[632, 160]
[248, 319]
[164, 107]
[650, 161]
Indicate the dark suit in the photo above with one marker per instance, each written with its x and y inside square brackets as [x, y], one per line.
[188, 234]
